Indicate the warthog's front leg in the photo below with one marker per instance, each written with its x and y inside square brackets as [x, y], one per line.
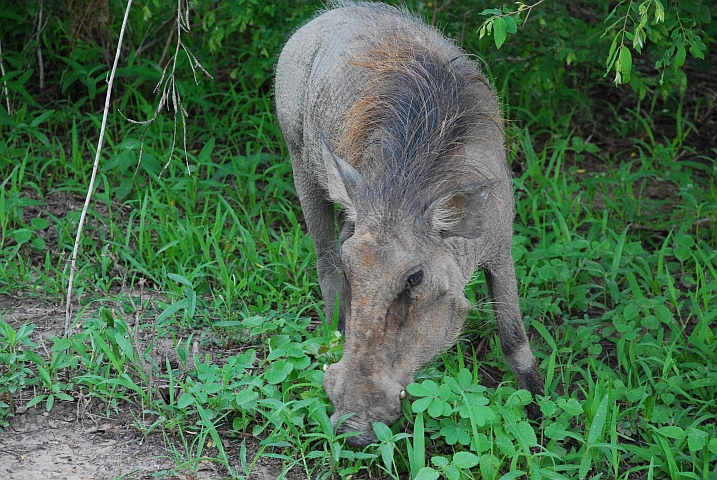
[513, 339]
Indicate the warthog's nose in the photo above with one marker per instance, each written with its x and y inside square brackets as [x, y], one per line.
[335, 416]
[361, 439]
[362, 399]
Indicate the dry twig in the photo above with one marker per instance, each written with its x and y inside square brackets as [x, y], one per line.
[40, 63]
[91, 188]
[4, 83]
[167, 84]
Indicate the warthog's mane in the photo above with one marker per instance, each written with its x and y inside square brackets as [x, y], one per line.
[419, 105]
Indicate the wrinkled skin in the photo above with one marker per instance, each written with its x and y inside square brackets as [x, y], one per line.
[401, 327]
[424, 193]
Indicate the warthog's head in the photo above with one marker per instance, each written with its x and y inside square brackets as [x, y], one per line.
[403, 287]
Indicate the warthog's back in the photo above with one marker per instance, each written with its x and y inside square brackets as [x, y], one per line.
[322, 75]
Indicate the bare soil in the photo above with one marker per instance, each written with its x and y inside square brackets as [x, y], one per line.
[86, 440]
[59, 445]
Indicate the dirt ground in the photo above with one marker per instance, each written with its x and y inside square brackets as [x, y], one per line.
[56, 445]
[40, 445]
[81, 440]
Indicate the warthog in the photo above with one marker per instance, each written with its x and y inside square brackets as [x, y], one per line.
[389, 120]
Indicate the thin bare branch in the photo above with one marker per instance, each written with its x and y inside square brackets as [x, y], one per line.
[91, 188]
[170, 96]
[4, 84]
[40, 63]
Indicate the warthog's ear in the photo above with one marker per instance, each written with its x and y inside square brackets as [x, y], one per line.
[461, 212]
[342, 180]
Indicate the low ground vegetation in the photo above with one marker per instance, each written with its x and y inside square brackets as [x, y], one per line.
[197, 306]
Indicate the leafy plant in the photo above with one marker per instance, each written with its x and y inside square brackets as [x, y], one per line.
[674, 28]
[199, 307]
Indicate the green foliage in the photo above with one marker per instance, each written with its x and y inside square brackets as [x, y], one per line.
[16, 373]
[614, 248]
[673, 29]
[262, 28]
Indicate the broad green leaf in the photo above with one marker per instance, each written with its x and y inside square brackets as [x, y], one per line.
[696, 439]
[38, 243]
[663, 314]
[21, 235]
[511, 25]
[435, 409]
[35, 401]
[631, 311]
[650, 322]
[499, 31]
[672, 431]
[696, 51]
[45, 375]
[278, 371]
[382, 431]
[185, 400]
[680, 56]
[555, 431]
[625, 60]
[213, 388]
[690, 6]
[465, 460]
[39, 223]
[526, 434]
[439, 461]
[548, 407]
[464, 377]
[418, 389]
[427, 473]
[570, 406]
[421, 404]
[452, 472]
[445, 393]
[505, 445]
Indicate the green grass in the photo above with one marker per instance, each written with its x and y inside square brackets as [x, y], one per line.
[618, 288]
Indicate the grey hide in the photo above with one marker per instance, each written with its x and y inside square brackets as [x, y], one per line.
[387, 119]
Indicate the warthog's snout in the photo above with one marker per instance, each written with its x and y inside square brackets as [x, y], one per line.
[376, 398]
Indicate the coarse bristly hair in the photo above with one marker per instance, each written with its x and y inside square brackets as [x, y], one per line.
[417, 109]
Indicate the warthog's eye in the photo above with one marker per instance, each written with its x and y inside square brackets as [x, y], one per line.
[414, 280]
